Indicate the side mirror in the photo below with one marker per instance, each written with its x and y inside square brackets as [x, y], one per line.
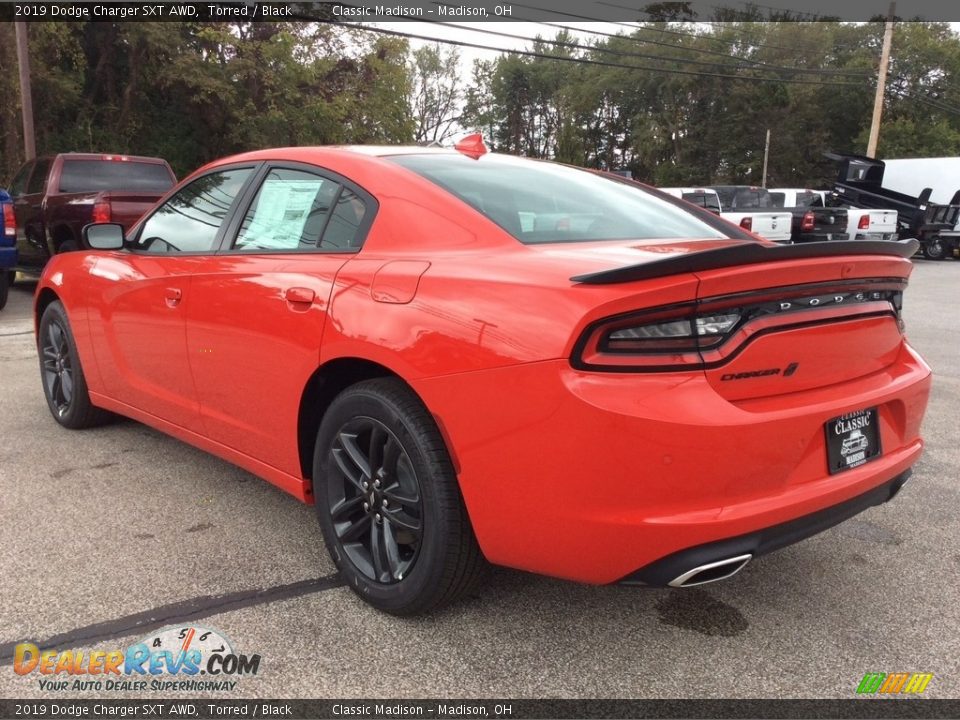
[103, 236]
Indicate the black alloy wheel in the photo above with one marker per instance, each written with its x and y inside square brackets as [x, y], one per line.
[374, 500]
[57, 367]
[388, 501]
[64, 385]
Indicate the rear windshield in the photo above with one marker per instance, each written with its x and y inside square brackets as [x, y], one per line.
[539, 202]
[804, 199]
[704, 200]
[97, 175]
[740, 198]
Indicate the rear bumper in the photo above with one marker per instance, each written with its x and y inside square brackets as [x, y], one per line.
[590, 476]
[665, 571]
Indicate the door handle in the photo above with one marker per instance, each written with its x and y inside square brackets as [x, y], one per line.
[299, 295]
[172, 296]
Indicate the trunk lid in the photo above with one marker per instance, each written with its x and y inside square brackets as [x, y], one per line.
[805, 324]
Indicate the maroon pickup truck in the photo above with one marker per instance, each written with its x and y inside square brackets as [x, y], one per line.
[54, 197]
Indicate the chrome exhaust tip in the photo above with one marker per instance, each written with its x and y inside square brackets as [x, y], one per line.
[711, 572]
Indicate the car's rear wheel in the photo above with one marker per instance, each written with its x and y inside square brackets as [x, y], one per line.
[388, 501]
[64, 385]
[4, 288]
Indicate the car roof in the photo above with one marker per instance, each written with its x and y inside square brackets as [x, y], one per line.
[385, 150]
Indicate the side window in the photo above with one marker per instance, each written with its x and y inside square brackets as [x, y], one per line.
[342, 231]
[290, 212]
[38, 179]
[191, 219]
[19, 183]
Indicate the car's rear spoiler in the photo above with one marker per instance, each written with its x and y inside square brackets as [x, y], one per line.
[747, 253]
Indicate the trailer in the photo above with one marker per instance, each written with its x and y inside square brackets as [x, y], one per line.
[911, 175]
[936, 226]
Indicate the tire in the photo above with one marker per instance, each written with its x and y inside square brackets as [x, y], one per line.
[389, 504]
[4, 288]
[68, 246]
[934, 250]
[64, 385]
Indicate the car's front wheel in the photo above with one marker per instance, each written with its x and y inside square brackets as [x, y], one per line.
[388, 501]
[64, 384]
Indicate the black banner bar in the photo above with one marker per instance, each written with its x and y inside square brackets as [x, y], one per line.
[477, 709]
[568, 11]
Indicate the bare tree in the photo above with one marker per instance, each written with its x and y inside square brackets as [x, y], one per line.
[436, 98]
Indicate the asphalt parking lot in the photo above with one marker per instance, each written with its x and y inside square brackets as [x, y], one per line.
[110, 532]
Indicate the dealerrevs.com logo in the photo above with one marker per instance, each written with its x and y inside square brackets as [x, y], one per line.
[894, 683]
[174, 659]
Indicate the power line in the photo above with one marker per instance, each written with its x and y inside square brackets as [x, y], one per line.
[759, 64]
[584, 61]
[695, 35]
[591, 48]
[705, 22]
[653, 42]
[925, 99]
[621, 53]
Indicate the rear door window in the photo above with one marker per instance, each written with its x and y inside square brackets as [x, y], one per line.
[290, 212]
[344, 229]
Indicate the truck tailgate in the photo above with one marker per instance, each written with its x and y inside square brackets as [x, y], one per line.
[127, 208]
[772, 225]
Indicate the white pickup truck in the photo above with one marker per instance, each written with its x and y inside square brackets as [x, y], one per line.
[771, 224]
[862, 224]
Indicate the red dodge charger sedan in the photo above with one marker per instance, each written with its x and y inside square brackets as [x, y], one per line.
[461, 357]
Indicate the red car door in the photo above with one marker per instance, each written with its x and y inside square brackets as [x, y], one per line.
[140, 298]
[256, 319]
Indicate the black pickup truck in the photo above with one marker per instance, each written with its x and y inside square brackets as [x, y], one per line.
[810, 223]
[859, 183]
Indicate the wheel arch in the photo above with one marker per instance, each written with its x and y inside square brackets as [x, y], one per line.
[329, 380]
[45, 297]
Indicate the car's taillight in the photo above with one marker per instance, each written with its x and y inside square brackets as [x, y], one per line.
[9, 221]
[101, 212]
[681, 335]
[747, 223]
[864, 223]
[808, 222]
[709, 331]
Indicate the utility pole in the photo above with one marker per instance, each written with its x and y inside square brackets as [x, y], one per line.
[766, 156]
[881, 83]
[26, 97]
